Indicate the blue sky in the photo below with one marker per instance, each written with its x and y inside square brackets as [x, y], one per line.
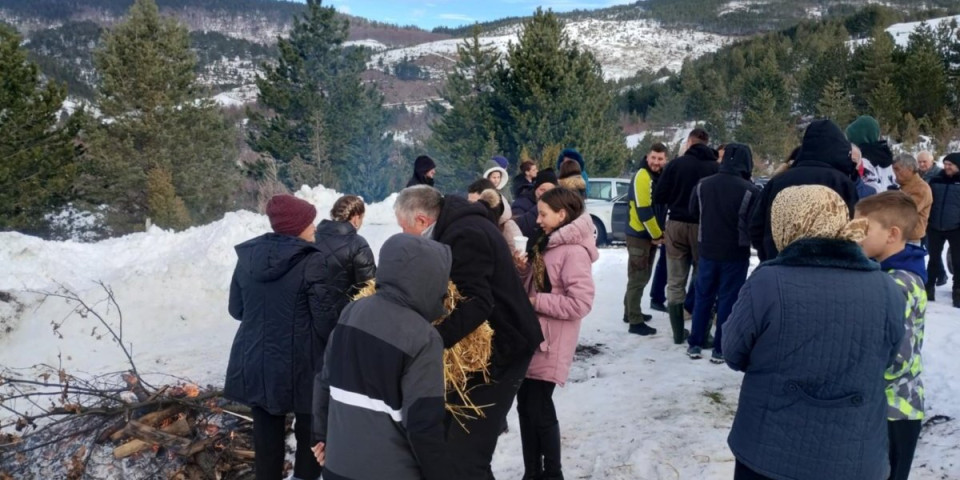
[432, 13]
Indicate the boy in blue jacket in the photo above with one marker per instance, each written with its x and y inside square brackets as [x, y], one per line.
[892, 215]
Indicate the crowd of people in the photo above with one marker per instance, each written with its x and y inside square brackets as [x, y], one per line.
[827, 330]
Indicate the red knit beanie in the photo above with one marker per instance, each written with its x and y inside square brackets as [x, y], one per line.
[290, 215]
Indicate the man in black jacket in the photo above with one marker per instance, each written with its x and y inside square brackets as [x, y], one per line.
[673, 190]
[723, 202]
[525, 207]
[824, 159]
[484, 272]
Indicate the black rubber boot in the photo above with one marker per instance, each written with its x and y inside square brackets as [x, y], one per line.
[956, 297]
[676, 322]
[550, 443]
[532, 456]
[931, 293]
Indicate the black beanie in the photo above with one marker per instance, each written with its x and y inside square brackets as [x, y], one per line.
[423, 164]
[546, 175]
[825, 142]
[953, 158]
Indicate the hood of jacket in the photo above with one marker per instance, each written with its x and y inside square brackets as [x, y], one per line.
[494, 167]
[644, 165]
[413, 271]
[701, 152]
[878, 153]
[737, 160]
[456, 208]
[824, 143]
[575, 155]
[575, 183]
[577, 232]
[334, 227]
[912, 259]
[270, 256]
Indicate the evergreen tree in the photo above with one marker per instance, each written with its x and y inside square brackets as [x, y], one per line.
[326, 125]
[152, 120]
[765, 128]
[885, 106]
[833, 64]
[835, 103]
[873, 64]
[554, 93]
[922, 79]
[464, 138]
[37, 156]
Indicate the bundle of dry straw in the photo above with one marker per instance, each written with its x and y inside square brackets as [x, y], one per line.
[471, 355]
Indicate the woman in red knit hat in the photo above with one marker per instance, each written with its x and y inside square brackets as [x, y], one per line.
[278, 289]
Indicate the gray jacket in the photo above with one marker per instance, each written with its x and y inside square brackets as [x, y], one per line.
[379, 402]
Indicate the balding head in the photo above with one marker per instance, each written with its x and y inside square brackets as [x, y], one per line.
[924, 161]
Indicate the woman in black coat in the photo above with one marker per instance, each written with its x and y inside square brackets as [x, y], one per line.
[339, 237]
[278, 293]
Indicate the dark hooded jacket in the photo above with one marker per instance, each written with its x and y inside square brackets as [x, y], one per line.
[824, 159]
[723, 203]
[679, 178]
[484, 272]
[421, 166]
[945, 211]
[520, 185]
[380, 399]
[286, 306]
[352, 252]
[574, 155]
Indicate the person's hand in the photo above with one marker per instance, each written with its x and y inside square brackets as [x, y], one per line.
[533, 301]
[657, 241]
[319, 451]
[520, 260]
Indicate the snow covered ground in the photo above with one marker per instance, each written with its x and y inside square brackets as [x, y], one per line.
[636, 409]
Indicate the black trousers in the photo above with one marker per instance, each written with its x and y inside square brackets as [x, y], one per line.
[743, 472]
[937, 239]
[473, 451]
[903, 443]
[539, 428]
[269, 443]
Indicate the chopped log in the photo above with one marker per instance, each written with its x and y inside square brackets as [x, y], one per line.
[151, 419]
[107, 434]
[145, 436]
[239, 454]
[134, 383]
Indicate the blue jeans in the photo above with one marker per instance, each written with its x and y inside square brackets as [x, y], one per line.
[658, 289]
[717, 282]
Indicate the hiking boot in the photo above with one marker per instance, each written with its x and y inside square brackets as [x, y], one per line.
[658, 306]
[942, 280]
[931, 293]
[716, 357]
[642, 329]
[693, 352]
[956, 298]
[645, 316]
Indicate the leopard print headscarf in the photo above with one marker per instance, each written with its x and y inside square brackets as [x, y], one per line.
[812, 211]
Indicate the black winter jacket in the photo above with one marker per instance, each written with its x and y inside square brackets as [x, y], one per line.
[723, 203]
[484, 272]
[945, 212]
[524, 203]
[287, 307]
[520, 185]
[804, 172]
[679, 178]
[351, 250]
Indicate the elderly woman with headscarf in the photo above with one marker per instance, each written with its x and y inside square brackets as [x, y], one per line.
[813, 331]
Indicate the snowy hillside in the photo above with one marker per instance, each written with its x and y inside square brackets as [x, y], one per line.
[635, 408]
[621, 47]
[901, 31]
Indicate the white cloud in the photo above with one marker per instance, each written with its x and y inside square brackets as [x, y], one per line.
[455, 16]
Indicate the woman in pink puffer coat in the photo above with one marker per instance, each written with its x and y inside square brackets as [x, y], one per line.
[559, 282]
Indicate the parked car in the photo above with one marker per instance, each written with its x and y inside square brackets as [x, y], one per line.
[602, 195]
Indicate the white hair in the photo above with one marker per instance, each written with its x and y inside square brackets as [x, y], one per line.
[419, 199]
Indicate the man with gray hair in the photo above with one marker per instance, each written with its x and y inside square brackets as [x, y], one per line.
[928, 167]
[484, 273]
[907, 172]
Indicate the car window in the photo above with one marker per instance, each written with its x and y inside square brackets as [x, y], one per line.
[600, 190]
[622, 188]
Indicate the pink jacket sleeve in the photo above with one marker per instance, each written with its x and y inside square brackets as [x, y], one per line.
[576, 302]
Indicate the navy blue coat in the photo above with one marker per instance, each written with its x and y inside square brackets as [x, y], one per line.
[945, 211]
[287, 306]
[813, 331]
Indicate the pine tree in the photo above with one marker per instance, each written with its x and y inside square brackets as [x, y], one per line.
[873, 64]
[911, 129]
[765, 128]
[326, 125]
[554, 93]
[922, 79]
[835, 103]
[885, 106]
[37, 156]
[152, 120]
[832, 64]
[466, 133]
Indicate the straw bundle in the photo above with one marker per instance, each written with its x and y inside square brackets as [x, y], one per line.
[471, 355]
